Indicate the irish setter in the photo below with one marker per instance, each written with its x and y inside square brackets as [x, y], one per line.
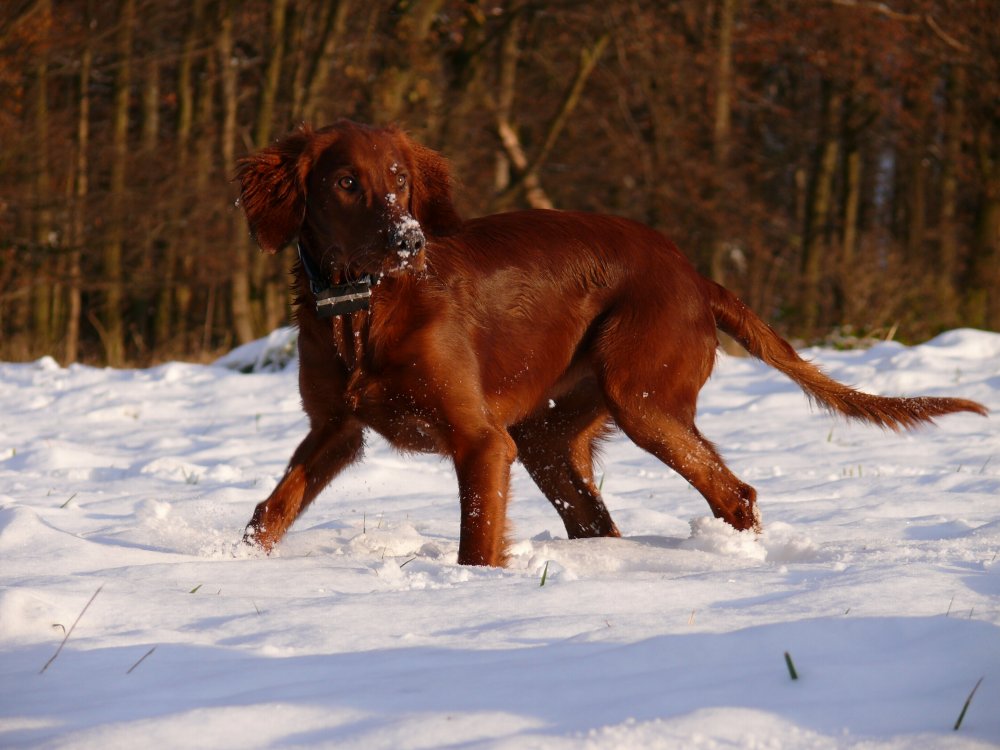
[526, 335]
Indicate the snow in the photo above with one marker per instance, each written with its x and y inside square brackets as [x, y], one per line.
[877, 571]
[406, 224]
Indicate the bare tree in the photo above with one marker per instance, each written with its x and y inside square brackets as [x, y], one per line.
[113, 325]
[81, 186]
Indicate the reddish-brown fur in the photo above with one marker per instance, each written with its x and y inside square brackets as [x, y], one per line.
[523, 335]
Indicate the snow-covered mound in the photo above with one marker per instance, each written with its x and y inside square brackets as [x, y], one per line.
[270, 354]
[877, 571]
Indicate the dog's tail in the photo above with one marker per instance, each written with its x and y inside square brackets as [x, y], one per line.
[758, 338]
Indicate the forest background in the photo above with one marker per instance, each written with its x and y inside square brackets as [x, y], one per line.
[835, 162]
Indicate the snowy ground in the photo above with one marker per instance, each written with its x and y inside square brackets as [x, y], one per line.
[878, 571]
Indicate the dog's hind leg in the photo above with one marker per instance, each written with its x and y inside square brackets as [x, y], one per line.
[557, 447]
[681, 447]
[319, 458]
[653, 396]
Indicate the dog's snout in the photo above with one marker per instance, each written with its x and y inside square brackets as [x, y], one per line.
[414, 242]
[409, 236]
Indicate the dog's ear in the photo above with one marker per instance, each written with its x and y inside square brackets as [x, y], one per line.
[272, 190]
[431, 202]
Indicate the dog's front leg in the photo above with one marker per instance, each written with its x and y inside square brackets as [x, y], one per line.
[483, 467]
[326, 450]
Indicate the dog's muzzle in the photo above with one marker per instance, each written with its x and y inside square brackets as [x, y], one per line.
[407, 237]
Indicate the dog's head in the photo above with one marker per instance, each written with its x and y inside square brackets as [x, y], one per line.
[362, 200]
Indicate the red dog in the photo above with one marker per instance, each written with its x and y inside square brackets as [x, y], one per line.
[521, 335]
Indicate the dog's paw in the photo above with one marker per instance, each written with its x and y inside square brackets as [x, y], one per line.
[743, 514]
[253, 543]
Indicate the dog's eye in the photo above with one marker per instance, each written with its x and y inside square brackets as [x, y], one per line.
[401, 181]
[347, 183]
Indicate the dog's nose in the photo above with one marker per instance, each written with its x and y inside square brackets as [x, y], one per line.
[409, 237]
[414, 243]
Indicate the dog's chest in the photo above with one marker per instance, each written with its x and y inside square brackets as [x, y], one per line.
[386, 387]
[393, 411]
[389, 398]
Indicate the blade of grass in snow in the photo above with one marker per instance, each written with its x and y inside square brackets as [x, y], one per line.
[141, 660]
[71, 627]
[965, 707]
[791, 666]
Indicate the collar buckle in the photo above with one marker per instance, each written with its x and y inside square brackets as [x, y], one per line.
[335, 299]
[341, 299]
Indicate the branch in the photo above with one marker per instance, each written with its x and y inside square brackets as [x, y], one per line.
[528, 170]
[537, 198]
[21, 11]
[926, 18]
[588, 61]
[319, 66]
[880, 8]
[946, 38]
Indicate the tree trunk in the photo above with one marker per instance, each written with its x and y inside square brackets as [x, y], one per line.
[148, 268]
[272, 76]
[151, 105]
[204, 152]
[175, 295]
[312, 74]
[406, 42]
[79, 206]
[270, 310]
[42, 293]
[462, 93]
[722, 139]
[819, 201]
[984, 297]
[948, 249]
[988, 255]
[113, 325]
[916, 185]
[240, 303]
[847, 272]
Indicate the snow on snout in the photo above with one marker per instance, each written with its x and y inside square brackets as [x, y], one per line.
[407, 225]
[404, 226]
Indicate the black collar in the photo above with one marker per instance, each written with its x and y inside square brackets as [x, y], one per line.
[335, 299]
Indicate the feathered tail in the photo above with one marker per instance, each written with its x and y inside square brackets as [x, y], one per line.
[758, 338]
